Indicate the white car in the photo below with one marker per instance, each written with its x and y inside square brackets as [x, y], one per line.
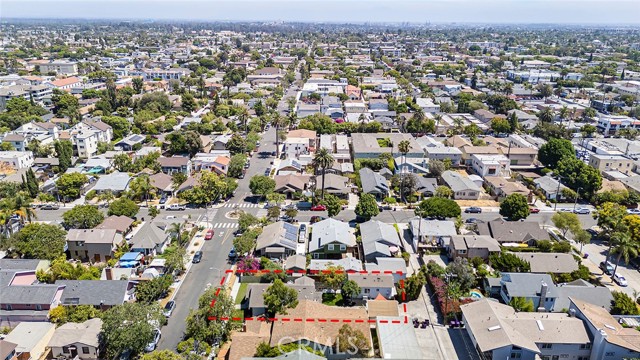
[174, 207]
[581, 210]
[154, 343]
[633, 211]
[620, 280]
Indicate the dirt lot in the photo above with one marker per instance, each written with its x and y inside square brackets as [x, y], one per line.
[479, 203]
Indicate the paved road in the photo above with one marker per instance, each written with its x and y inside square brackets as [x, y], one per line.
[215, 252]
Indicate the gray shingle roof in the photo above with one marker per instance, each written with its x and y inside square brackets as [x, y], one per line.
[528, 285]
[377, 231]
[93, 292]
[328, 231]
[458, 182]
[372, 182]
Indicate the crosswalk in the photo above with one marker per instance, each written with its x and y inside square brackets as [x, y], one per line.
[225, 225]
[240, 205]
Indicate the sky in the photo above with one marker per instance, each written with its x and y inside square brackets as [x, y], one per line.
[610, 12]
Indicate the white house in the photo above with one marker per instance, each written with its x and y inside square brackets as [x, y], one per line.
[427, 105]
[490, 165]
[17, 159]
[372, 285]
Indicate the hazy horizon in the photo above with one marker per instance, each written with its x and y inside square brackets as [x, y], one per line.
[602, 12]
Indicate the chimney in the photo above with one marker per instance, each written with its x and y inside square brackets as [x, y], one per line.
[543, 296]
[108, 273]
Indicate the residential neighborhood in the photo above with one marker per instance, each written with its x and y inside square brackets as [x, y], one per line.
[310, 190]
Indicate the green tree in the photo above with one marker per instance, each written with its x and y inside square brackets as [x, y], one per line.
[237, 145]
[247, 220]
[566, 221]
[273, 213]
[246, 242]
[151, 290]
[500, 126]
[515, 207]
[278, 298]
[129, 326]
[623, 304]
[610, 217]
[161, 355]
[177, 179]
[70, 184]
[352, 341]
[64, 152]
[508, 262]
[333, 276]
[83, 217]
[188, 102]
[73, 313]
[438, 207]
[404, 147]
[349, 290]
[367, 207]
[588, 130]
[412, 287]
[625, 247]
[119, 125]
[38, 241]
[187, 142]
[333, 204]
[176, 259]
[521, 304]
[444, 192]
[578, 175]
[123, 206]
[236, 165]
[30, 183]
[141, 188]
[205, 323]
[262, 185]
[555, 150]
[138, 84]
[122, 162]
[322, 159]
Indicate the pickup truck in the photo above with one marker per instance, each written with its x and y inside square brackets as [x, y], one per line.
[174, 207]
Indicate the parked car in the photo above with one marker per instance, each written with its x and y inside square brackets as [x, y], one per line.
[303, 227]
[620, 280]
[154, 343]
[233, 253]
[633, 211]
[163, 199]
[209, 235]
[197, 257]
[318, 208]
[534, 210]
[565, 210]
[583, 211]
[175, 207]
[315, 219]
[50, 207]
[267, 172]
[471, 221]
[238, 232]
[168, 309]
[607, 267]
[385, 207]
[473, 210]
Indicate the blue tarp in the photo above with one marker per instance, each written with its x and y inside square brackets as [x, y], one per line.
[131, 256]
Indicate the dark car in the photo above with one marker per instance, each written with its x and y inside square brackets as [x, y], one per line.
[50, 207]
[233, 253]
[273, 153]
[197, 257]
[267, 172]
[163, 200]
[168, 309]
[473, 210]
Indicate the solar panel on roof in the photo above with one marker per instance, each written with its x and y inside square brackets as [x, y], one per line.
[137, 137]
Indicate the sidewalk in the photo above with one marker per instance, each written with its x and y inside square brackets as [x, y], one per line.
[198, 239]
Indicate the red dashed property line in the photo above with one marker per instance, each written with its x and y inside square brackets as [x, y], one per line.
[310, 320]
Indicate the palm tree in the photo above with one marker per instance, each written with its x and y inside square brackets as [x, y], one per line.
[322, 159]
[404, 147]
[176, 231]
[277, 122]
[243, 116]
[625, 247]
[22, 208]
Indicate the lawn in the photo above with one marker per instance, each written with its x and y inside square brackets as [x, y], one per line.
[332, 299]
[241, 293]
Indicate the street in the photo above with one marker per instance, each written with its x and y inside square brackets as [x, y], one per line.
[215, 252]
